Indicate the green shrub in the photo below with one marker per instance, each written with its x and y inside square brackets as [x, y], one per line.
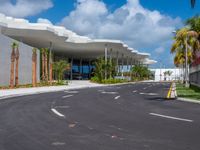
[113, 81]
[95, 79]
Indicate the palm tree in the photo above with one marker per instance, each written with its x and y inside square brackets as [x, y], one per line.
[50, 67]
[12, 68]
[194, 26]
[59, 68]
[17, 65]
[34, 67]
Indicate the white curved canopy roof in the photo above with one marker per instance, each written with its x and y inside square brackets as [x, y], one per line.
[65, 41]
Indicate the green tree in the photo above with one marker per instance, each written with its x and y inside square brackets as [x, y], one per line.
[101, 66]
[141, 72]
[59, 68]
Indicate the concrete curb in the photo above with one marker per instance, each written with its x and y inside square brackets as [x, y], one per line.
[42, 92]
[59, 90]
[188, 100]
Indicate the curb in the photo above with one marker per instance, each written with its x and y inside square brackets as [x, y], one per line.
[188, 100]
[42, 92]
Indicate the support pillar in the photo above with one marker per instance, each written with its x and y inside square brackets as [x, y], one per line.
[81, 67]
[106, 59]
[117, 64]
[122, 69]
[71, 72]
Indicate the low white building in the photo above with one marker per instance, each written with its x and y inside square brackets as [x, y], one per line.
[162, 75]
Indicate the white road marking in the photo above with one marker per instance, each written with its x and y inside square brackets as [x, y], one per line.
[57, 113]
[117, 97]
[72, 92]
[67, 96]
[101, 90]
[135, 91]
[145, 88]
[150, 94]
[170, 117]
[109, 92]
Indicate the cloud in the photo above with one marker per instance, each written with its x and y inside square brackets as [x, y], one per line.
[44, 21]
[160, 50]
[137, 26]
[24, 8]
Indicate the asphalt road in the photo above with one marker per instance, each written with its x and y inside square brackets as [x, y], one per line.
[126, 117]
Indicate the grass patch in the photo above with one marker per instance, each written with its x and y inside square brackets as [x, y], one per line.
[192, 92]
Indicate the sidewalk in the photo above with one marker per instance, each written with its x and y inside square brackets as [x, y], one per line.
[29, 91]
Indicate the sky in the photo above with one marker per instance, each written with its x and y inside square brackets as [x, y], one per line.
[145, 25]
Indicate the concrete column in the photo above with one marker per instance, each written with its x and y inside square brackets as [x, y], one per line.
[106, 59]
[117, 64]
[80, 66]
[71, 72]
[122, 70]
[127, 63]
[89, 66]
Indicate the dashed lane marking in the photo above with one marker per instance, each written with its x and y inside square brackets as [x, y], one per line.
[66, 96]
[117, 97]
[170, 117]
[150, 94]
[72, 92]
[135, 91]
[57, 113]
[109, 92]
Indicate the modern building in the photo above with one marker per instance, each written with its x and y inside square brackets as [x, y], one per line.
[80, 51]
[195, 71]
[169, 74]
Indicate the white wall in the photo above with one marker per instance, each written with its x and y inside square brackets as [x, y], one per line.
[159, 74]
[25, 62]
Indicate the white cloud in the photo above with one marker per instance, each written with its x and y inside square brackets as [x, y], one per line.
[131, 23]
[24, 8]
[160, 50]
[44, 21]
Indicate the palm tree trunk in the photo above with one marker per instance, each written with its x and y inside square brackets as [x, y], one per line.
[34, 68]
[12, 68]
[43, 65]
[50, 68]
[46, 66]
[17, 67]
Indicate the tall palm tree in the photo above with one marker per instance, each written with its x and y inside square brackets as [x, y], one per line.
[17, 65]
[194, 26]
[34, 67]
[184, 37]
[50, 67]
[12, 67]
